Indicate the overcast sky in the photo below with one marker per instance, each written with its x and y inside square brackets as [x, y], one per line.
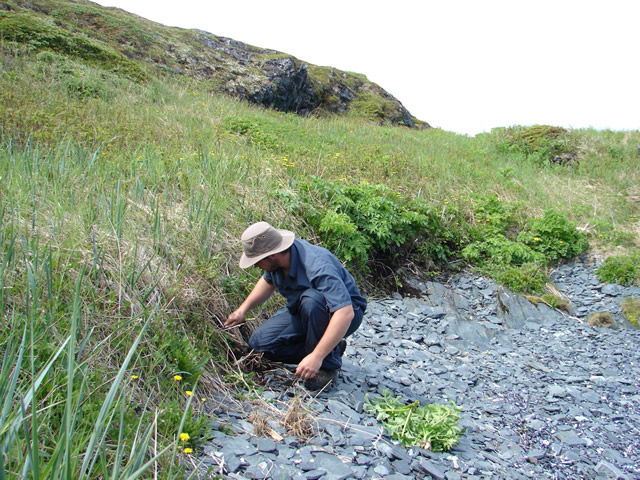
[466, 66]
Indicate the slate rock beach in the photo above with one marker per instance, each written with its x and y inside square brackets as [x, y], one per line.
[543, 394]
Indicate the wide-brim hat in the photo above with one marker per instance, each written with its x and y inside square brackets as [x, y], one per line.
[261, 240]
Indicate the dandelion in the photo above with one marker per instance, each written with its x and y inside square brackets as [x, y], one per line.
[184, 437]
[536, 239]
[177, 378]
[189, 393]
[203, 399]
[134, 377]
[188, 450]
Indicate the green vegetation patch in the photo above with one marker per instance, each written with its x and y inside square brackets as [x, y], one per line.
[515, 252]
[433, 426]
[620, 269]
[363, 222]
[544, 143]
[37, 34]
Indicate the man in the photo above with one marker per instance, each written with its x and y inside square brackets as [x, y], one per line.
[324, 304]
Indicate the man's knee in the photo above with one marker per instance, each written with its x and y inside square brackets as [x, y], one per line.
[255, 343]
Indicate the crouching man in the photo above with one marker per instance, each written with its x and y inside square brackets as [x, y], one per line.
[324, 304]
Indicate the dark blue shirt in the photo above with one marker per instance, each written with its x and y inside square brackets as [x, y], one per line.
[316, 267]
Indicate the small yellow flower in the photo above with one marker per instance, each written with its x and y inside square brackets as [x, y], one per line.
[189, 393]
[203, 399]
[134, 377]
[536, 239]
[184, 437]
[188, 450]
[177, 378]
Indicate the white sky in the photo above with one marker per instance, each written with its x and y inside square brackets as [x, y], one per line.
[466, 66]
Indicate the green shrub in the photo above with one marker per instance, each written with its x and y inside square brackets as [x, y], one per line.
[621, 269]
[256, 132]
[528, 278]
[433, 426]
[362, 222]
[553, 236]
[493, 216]
[542, 143]
[497, 249]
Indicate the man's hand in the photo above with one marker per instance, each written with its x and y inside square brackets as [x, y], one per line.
[235, 318]
[309, 366]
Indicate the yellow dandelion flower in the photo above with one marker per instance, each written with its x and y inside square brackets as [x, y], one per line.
[134, 377]
[203, 399]
[188, 450]
[189, 393]
[184, 437]
[536, 239]
[177, 378]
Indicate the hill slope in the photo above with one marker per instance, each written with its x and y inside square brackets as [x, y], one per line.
[124, 42]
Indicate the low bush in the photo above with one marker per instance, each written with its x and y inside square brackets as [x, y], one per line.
[543, 143]
[362, 222]
[553, 236]
[620, 269]
[516, 253]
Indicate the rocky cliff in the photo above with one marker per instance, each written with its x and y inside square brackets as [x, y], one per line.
[123, 42]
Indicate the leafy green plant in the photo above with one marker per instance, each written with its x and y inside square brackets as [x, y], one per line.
[621, 269]
[554, 236]
[528, 278]
[358, 222]
[432, 426]
[516, 256]
[498, 250]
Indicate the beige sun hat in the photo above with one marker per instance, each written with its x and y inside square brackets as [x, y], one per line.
[261, 240]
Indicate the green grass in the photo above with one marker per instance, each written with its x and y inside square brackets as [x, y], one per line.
[122, 203]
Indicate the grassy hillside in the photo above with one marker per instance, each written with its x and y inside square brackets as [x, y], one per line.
[122, 202]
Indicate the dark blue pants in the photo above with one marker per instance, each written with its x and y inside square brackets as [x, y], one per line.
[288, 338]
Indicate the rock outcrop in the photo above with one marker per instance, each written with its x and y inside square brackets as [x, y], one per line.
[121, 41]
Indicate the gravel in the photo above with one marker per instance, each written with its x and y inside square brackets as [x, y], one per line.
[543, 394]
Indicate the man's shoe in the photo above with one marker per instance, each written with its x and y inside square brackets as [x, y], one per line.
[322, 379]
[342, 346]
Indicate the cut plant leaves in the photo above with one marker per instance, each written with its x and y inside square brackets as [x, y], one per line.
[432, 426]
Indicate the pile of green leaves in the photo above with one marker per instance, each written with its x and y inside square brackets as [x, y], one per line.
[433, 426]
[359, 222]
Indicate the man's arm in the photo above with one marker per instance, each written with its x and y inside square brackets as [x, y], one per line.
[338, 326]
[260, 293]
